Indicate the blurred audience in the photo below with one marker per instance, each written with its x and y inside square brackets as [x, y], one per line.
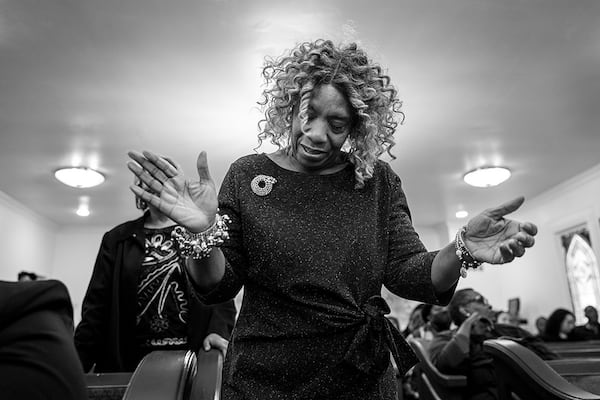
[591, 329]
[415, 321]
[503, 317]
[540, 325]
[460, 351]
[25, 276]
[559, 327]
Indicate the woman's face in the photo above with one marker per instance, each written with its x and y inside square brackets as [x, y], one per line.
[567, 324]
[317, 145]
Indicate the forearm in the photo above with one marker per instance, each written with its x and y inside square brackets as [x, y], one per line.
[207, 272]
[445, 269]
[453, 354]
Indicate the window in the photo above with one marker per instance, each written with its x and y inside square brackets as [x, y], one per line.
[582, 270]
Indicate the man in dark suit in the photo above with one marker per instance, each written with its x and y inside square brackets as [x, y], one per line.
[38, 359]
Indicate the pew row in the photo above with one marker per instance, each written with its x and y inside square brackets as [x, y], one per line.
[522, 373]
[580, 349]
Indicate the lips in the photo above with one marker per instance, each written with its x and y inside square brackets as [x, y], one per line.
[311, 151]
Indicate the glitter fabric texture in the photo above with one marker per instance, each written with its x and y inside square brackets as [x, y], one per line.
[312, 256]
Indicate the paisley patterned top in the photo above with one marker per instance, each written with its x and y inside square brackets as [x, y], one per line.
[162, 294]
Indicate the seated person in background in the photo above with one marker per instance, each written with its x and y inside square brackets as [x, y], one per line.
[503, 317]
[437, 319]
[460, 351]
[559, 327]
[37, 355]
[540, 325]
[139, 299]
[415, 322]
[25, 276]
[591, 329]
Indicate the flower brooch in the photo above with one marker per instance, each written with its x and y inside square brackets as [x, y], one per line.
[262, 184]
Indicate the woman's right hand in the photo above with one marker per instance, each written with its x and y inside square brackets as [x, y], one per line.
[466, 326]
[191, 204]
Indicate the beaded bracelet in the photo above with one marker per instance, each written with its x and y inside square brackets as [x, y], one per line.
[464, 255]
[199, 245]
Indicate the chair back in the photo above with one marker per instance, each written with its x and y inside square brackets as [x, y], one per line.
[207, 382]
[434, 385]
[161, 375]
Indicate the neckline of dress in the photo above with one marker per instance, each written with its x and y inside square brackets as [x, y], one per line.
[290, 171]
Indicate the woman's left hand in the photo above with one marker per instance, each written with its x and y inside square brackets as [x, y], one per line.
[493, 239]
[215, 341]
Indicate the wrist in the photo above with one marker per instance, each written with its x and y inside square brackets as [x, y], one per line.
[464, 255]
[199, 245]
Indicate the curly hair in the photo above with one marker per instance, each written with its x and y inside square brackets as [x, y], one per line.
[291, 79]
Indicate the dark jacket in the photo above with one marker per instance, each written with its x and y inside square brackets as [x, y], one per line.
[37, 355]
[106, 334]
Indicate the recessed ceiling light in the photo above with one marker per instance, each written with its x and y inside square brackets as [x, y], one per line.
[487, 176]
[461, 214]
[79, 177]
[83, 210]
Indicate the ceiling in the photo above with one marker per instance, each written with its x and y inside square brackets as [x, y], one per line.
[500, 82]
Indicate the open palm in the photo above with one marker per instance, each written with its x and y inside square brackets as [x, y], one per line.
[192, 204]
[494, 239]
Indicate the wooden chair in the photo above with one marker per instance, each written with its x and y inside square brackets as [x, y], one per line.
[434, 385]
[167, 375]
[522, 374]
[207, 382]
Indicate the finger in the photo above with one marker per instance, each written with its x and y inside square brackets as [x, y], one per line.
[524, 239]
[175, 165]
[165, 165]
[506, 252]
[206, 344]
[202, 166]
[516, 248]
[529, 228]
[146, 196]
[153, 184]
[148, 165]
[505, 208]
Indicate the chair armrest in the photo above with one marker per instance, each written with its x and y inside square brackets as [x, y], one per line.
[163, 375]
[207, 383]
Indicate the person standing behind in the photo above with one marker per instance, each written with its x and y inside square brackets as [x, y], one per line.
[139, 299]
[314, 230]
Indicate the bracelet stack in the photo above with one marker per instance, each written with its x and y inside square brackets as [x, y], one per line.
[464, 255]
[199, 245]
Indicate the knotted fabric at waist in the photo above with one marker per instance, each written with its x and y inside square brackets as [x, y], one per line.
[376, 335]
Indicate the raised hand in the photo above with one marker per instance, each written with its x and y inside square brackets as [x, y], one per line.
[191, 203]
[493, 239]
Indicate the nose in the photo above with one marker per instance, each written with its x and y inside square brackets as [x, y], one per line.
[316, 130]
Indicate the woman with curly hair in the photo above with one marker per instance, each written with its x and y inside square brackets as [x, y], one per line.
[314, 230]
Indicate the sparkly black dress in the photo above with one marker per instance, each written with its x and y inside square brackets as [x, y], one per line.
[312, 254]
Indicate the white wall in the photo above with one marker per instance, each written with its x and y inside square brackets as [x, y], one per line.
[76, 250]
[27, 240]
[538, 278]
